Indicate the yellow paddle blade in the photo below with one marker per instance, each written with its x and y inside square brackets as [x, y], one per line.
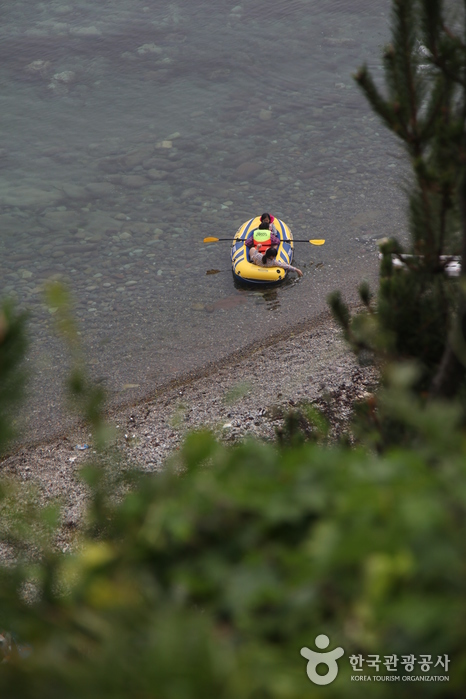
[317, 242]
[210, 240]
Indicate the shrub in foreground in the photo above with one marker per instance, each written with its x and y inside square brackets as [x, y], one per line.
[208, 579]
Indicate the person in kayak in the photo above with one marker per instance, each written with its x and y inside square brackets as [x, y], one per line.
[269, 219]
[263, 226]
[264, 254]
[269, 259]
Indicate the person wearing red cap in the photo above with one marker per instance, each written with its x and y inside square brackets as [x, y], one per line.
[267, 224]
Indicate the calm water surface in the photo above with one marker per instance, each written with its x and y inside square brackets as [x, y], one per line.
[132, 129]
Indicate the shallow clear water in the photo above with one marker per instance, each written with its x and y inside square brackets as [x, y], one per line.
[131, 130]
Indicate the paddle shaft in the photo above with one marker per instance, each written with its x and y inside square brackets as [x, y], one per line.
[232, 240]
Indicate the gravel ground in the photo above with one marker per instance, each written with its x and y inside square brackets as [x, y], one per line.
[242, 396]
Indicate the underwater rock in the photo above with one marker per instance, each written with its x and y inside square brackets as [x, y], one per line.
[134, 181]
[110, 165]
[247, 170]
[100, 189]
[140, 227]
[219, 74]
[74, 191]
[61, 81]
[226, 304]
[158, 164]
[25, 196]
[100, 221]
[38, 68]
[189, 193]
[60, 220]
[66, 77]
[156, 174]
[149, 48]
[136, 157]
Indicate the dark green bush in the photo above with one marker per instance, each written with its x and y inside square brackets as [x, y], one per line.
[419, 312]
[208, 579]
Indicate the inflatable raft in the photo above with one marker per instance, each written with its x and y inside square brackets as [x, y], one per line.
[246, 271]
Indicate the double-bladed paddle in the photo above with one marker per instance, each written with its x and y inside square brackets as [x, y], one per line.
[312, 242]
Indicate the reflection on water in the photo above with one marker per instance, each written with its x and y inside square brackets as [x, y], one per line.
[271, 299]
[267, 295]
[132, 130]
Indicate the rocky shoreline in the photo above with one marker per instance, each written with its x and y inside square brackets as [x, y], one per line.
[242, 396]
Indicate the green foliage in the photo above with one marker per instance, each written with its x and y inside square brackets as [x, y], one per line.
[413, 309]
[303, 423]
[13, 344]
[340, 310]
[209, 583]
[424, 105]
[208, 579]
[365, 294]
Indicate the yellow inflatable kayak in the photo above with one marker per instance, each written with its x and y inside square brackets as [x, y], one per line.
[246, 271]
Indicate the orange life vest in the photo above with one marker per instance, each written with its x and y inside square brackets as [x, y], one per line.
[262, 240]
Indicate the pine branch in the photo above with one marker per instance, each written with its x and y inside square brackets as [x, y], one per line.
[380, 106]
[445, 46]
[437, 109]
[452, 370]
[440, 60]
[365, 295]
[445, 206]
[431, 23]
[405, 40]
